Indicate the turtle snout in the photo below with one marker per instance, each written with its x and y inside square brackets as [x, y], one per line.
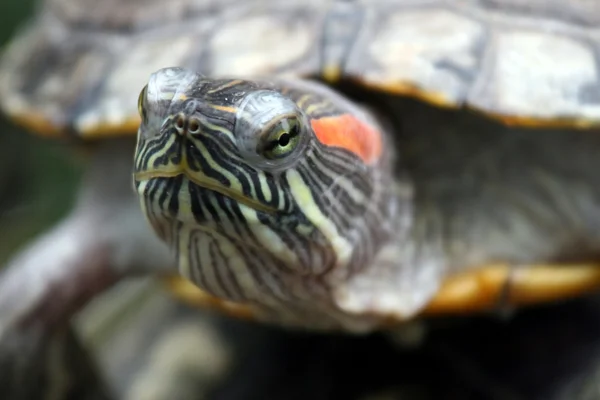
[186, 125]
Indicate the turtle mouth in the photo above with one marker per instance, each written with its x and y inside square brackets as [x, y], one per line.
[202, 182]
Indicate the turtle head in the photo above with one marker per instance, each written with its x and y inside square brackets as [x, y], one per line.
[264, 190]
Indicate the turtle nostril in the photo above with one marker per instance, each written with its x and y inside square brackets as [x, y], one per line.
[180, 122]
[194, 126]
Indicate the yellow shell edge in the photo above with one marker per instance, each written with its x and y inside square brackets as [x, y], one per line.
[478, 290]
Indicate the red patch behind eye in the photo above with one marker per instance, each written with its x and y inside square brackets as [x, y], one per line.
[350, 133]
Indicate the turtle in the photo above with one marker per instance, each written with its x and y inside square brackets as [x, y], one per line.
[504, 215]
[309, 191]
[284, 196]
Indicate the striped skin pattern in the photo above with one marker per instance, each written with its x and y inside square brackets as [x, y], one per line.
[280, 230]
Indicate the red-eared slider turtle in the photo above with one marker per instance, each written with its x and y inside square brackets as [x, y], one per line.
[326, 227]
[283, 195]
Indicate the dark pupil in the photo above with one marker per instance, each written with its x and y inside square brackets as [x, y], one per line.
[284, 139]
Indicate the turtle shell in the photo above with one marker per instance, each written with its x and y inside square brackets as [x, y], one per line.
[78, 67]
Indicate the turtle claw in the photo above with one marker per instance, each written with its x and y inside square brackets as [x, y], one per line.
[503, 309]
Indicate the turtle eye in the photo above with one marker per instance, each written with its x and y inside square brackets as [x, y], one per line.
[142, 103]
[279, 138]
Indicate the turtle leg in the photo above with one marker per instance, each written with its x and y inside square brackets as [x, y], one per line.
[164, 349]
[39, 290]
[38, 365]
[104, 239]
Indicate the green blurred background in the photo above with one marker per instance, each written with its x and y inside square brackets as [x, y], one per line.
[38, 177]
